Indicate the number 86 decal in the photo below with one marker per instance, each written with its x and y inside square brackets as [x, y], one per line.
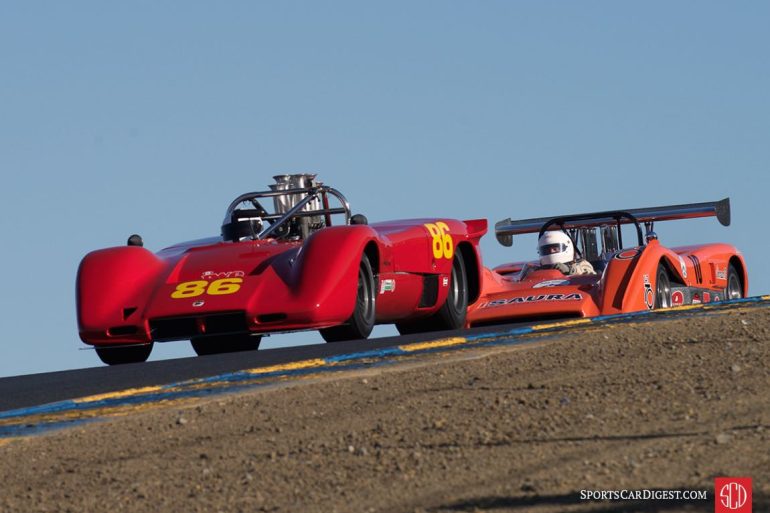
[221, 287]
[442, 241]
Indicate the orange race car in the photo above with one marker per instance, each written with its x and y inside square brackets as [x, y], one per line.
[585, 269]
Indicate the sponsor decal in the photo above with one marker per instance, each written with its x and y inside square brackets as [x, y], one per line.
[533, 299]
[677, 298]
[445, 282]
[696, 299]
[387, 286]
[707, 297]
[682, 267]
[732, 495]
[649, 295]
[721, 274]
[628, 254]
[716, 297]
[198, 304]
[211, 275]
[550, 283]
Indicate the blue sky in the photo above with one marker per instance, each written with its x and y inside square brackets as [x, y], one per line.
[149, 117]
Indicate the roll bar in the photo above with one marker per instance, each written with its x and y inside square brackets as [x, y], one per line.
[279, 219]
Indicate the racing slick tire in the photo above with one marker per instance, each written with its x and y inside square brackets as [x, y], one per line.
[451, 315]
[117, 355]
[662, 288]
[361, 323]
[734, 286]
[218, 344]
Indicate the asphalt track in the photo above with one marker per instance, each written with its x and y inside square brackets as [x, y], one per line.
[26, 391]
[35, 389]
[35, 404]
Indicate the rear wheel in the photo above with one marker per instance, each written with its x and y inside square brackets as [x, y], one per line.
[451, 315]
[361, 323]
[734, 285]
[218, 344]
[662, 288]
[118, 355]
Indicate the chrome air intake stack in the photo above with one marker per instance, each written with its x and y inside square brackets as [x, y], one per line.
[285, 202]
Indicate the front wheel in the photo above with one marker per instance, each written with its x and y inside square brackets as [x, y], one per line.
[662, 288]
[361, 323]
[117, 355]
[217, 344]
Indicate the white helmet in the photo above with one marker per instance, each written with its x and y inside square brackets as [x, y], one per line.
[555, 247]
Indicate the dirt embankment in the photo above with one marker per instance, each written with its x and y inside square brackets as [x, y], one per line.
[661, 406]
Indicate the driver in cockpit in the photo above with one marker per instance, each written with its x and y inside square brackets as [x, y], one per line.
[557, 251]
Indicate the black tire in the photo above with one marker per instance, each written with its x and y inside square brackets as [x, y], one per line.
[451, 315]
[218, 344]
[734, 288]
[662, 288]
[118, 355]
[361, 323]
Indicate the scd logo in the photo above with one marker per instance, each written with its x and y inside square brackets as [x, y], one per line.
[732, 495]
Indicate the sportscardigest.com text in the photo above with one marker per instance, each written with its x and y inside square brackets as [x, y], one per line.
[643, 495]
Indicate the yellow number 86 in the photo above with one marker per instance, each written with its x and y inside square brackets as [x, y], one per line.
[442, 241]
[215, 288]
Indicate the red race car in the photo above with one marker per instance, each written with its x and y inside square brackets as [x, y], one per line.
[608, 277]
[288, 270]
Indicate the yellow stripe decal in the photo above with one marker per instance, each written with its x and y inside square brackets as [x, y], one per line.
[444, 342]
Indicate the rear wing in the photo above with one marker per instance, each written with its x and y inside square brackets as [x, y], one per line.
[506, 229]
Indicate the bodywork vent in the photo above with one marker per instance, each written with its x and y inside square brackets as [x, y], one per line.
[429, 290]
